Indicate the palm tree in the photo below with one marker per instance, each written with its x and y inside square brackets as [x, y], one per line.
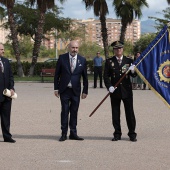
[100, 10]
[127, 10]
[10, 5]
[42, 5]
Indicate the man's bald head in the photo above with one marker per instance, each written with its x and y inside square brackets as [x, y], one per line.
[2, 50]
[73, 47]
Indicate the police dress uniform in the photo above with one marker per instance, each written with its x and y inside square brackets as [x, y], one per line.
[112, 74]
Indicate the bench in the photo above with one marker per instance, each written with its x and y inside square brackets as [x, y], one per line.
[47, 72]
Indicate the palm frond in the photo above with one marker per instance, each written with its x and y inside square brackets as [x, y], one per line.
[88, 4]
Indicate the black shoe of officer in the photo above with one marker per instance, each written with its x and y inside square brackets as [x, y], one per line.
[116, 138]
[133, 139]
[63, 138]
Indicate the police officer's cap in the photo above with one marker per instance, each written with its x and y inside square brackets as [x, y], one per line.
[117, 44]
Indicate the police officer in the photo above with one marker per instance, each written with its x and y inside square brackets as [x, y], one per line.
[115, 68]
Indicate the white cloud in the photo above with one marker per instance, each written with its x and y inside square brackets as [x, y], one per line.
[76, 9]
[155, 8]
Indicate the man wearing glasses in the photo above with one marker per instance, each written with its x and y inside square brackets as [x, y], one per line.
[97, 62]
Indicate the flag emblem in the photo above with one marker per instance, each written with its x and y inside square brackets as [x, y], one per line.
[164, 71]
[153, 65]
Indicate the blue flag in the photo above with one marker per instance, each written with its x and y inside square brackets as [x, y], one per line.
[153, 66]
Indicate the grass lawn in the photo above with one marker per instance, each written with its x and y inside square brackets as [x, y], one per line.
[38, 78]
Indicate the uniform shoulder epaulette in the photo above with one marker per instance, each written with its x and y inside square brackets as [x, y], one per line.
[107, 59]
[128, 57]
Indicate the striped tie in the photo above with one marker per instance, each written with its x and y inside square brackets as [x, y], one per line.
[72, 64]
[119, 61]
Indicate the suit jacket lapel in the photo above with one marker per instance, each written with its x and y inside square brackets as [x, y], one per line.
[77, 64]
[114, 60]
[3, 64]
[123, 61]
[68, 62]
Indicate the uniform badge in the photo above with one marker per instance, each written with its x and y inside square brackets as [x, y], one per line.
[125, 68]
[112, 64]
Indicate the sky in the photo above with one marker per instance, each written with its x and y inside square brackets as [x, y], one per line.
[76, 9]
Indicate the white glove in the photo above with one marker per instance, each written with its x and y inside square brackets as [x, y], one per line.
[132, 68]
[111, 89]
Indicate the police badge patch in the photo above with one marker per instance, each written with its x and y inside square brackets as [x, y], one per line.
[164, 71]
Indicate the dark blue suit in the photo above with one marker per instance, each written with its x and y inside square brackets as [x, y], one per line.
[6, 81]
[70, 97]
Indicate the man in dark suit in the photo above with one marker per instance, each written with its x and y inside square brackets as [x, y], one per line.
[115, 67]
[67, 85]
[6, 81]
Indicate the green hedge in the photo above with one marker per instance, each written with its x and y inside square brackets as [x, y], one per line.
[40, 65]
[37, 70]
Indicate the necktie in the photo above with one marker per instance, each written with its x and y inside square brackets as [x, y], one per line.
[119, 61]
[1, 68]
[72, 64]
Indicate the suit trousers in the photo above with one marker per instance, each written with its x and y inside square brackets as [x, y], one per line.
[97, 72]
[5, 113]
[130, 117]
[69, 104]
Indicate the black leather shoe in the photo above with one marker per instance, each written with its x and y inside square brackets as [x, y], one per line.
[10, 140]
[133, 139]
[116, 138]
[75, 137]
[63, 138]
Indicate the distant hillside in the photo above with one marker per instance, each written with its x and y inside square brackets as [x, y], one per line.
[147, 26]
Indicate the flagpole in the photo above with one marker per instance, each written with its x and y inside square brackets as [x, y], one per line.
[120, 80]
[127, 73]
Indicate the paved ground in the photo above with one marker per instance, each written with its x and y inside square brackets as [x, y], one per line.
[36, 127]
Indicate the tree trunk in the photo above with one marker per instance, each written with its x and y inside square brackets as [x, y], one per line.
[123, 31]
[37, 42]
[104, 36]
[15, 42]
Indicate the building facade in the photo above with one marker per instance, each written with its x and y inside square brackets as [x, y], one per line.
[92, 32]
[3, 32]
